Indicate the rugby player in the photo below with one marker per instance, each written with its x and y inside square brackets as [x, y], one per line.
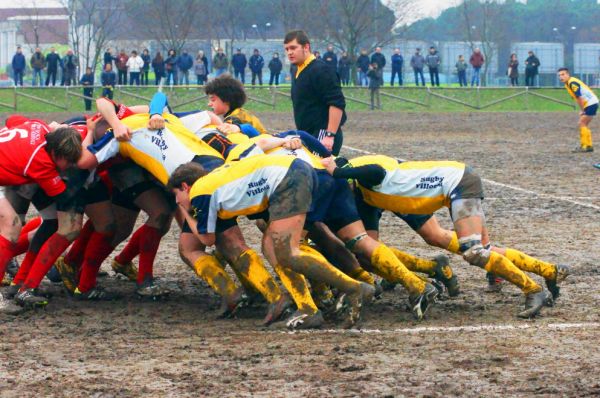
[588, 104]
[282, 185]
[384, 183]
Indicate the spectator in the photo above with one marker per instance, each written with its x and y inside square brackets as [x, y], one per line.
[108, 58]
[158, 65]
[239, 62]
[87, 81]
[417, 62]
[201, 68]
[344, 68]
[146, 67]
[108, 78]
[317, 55]
[362, 63]
[375, 82]
[275, 67]
[220, 62]
[330, 58]
[52, 62]
[38, 63]
[477, 60]
[532, 63]
[513, 70]
[461, 70]
[379, 58]
[185, 63]
[433, 62]
[397, 66]
[135, 64]
[18, 66]
[256, 63]
[121, 63]
[171, 67]
[71, 63]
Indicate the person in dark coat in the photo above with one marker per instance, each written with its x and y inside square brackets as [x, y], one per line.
[330, 58]
[433, 61]
[362, 63]
[256, 63]
[513, 70]
[146, 67]
[171, 67]
[108, 78]
[275, 67]
[158, 65]
[397, 65]
[108, 58]
[18, 66]
[239, 62]
[87, 81]
[185, 63]
[71, 63]
[38, 64]
[52, 62]
[532, 64]
[201, 68]
[344, 68]
[375, 82]
[378, 58]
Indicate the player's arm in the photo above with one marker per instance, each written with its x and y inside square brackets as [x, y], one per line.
[310, 142]
[368, 175]
[270, 142]
[105, 148]
[157, 106]
[207, 239]
[108, 112]
[576, 87]
[201, 219]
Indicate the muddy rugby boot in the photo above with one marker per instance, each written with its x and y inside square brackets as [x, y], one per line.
[534, 303]
[442, 269]
[419, 304]
[562, 271]
[302, 321]
[494, 283]
[9, 292]
[8, 307]
[354, 303]
[150, 288]
[68, 274]
[95, 294]
[12, 267]
[583, 149]
[231, 305]
[127, 270]
[28, 299]
[278, 310]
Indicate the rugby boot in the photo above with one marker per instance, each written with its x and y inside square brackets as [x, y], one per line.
[150, 288]
[419, 304]
[442, 270]
[278, 310]
[9, 292]
[562, 271]
[95, 294]
[8, 307]
[231, 305]
[583, 149]
[355, 303]
[68, 274]
[387, 286]
[54, 275]
[534, 303]
[127, 270]
[28, 299]
[301, 321]
[494, 283]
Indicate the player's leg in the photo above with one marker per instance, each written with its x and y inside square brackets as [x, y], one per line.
[585, 134]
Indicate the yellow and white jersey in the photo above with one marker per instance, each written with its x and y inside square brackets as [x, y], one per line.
[160, 152]
[411, 187]
[243, 116]
[238, 188]
[578, 89]
[249, 149]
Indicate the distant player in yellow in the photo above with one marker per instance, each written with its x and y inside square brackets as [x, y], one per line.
[588, 103]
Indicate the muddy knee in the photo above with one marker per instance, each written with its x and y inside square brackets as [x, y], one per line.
[474, 252]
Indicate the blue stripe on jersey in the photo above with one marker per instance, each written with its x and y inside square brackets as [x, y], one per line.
[249, 130]
[182, 114]
[101, 143]
[200, 207]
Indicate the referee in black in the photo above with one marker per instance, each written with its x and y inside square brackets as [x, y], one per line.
[316, 93]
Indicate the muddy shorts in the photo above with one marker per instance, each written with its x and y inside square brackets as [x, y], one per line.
[322, 197]
[294, 194]
[127, 175]
[465, 199]
[342, 209]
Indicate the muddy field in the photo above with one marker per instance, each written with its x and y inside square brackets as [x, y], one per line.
[541, 199]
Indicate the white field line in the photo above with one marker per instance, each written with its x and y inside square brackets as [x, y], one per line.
[454, 329]
[509, 186]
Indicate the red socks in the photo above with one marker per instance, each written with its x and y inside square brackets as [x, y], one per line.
[98, 248]
[23, 241]
[132, 248]
[48, 254]
[7, 250]
[149, 243]
[76, 253]
[24, 268]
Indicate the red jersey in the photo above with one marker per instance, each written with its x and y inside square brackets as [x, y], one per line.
[24, 160]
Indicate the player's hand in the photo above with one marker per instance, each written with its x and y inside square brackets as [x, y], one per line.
[327, 142]
[329, 164]
[228, 128]
[91, 123]
[122, 132]
[293, 143]
[156, 122]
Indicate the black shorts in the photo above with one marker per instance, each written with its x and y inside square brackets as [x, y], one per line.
[591, 110]
[127, 175]
[127, 197]
[97, 192]
[342, 210]
[322, 197]
[222, 225]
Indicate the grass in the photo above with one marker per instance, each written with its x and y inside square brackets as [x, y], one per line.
[262, 99]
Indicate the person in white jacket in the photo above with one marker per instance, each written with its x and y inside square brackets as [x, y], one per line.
[135, 64]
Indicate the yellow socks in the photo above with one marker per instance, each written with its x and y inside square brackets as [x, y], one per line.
[250, 266]
[210, 270]
[298, 288]
[361, 275]
[530, 264]
[414, 263]
[585, 136]
[386, 265]
[454, 246]
[504, 268]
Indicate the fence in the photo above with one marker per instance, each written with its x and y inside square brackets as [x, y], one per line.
[417, 99]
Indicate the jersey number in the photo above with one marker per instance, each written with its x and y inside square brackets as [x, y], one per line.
[7, 135]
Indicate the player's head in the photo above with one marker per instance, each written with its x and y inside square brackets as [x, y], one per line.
[564, 75]
[225, 94]
[181, 181]
[297, 46]
[64, 146]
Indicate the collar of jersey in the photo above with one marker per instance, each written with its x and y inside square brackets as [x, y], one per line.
[304, 64]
